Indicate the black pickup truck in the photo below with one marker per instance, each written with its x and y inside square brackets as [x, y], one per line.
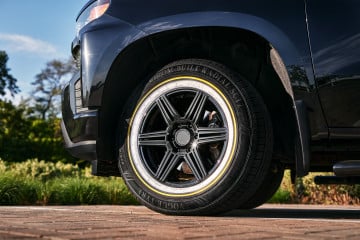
[201, 105]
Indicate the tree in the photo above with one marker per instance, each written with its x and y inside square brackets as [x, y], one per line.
[48, 84]
[6, 80]
[23, 136]
[13, 130]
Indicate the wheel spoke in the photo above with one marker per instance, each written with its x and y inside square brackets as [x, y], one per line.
[207, 135]
[153, 139]
[168, 163]
[196, 165]
[196, 106]
[167, 110]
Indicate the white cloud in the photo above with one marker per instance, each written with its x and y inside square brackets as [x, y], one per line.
[17, 99]
[12, 43]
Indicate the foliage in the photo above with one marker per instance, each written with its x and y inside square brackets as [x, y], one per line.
[327, 194]
[7, 81]
[41, 170]
[281, 196]
[72, 191]
[39, 182]
[28, 131]
[116, 191]
[48, 84]
[23, 136]
[307, 192]
[13, 129]
[16, 191]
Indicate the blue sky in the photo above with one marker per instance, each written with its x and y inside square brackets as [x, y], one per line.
[33, 32]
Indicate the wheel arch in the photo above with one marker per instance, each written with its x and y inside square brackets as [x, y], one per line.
[176, 42]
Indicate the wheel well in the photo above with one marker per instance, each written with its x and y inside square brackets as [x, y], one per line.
[242, 51]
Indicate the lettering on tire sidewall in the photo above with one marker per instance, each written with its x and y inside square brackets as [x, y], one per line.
[153, 201]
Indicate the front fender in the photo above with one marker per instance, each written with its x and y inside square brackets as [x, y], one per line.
[273, 34]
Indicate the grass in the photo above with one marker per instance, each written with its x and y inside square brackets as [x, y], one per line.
[39, 183]
[17, 191]
[44, 183]
[281, 196]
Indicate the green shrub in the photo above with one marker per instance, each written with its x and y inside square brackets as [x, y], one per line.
[71, 191]
[116, 190]
[44, 171]
[281, 196]
[307, 192]
[24, 135]
[355, 191]
[326, 194]
[3, 166]
[40, 182]
[17, 191]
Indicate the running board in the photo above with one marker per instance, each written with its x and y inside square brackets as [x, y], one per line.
[346, 172]
[349, 168]
[336, 180]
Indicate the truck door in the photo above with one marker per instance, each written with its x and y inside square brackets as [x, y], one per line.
[334, 31]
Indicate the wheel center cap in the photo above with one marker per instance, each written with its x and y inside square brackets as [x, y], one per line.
[182, 137]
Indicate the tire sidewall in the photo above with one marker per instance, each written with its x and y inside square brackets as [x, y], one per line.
[211, 200]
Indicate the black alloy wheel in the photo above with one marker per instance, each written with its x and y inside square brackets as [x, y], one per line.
[199, 140]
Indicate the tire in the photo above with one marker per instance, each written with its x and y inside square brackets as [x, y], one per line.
[267, 189]
[198, 142]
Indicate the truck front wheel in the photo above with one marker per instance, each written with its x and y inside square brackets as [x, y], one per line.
[199, 140]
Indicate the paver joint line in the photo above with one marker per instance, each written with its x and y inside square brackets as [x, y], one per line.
[134, 222]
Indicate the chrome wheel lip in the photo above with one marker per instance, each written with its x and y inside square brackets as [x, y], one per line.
[143, 108]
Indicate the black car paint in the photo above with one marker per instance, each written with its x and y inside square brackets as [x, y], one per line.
[289, 27]
[335, 41]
